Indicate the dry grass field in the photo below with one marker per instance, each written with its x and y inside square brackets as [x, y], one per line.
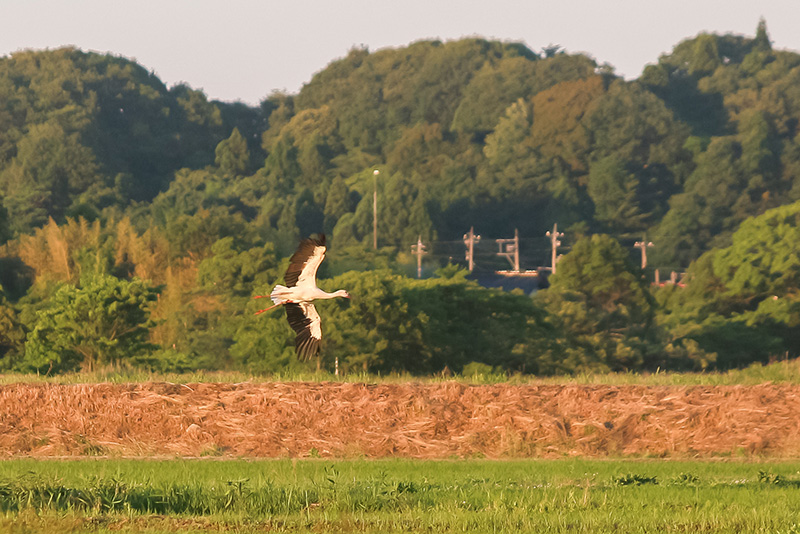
[413, 420]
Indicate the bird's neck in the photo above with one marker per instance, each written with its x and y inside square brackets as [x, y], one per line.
[326, 295]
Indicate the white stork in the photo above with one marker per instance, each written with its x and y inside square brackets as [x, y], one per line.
[299, 292]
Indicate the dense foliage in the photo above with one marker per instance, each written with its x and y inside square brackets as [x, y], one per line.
[168, 212]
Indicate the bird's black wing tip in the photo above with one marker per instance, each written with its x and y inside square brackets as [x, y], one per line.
[306, 348]
[296, 318]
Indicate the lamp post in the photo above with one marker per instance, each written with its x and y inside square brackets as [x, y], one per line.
[375, 174]
[642, 245]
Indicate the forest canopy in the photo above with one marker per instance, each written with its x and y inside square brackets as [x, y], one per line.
[120, 193]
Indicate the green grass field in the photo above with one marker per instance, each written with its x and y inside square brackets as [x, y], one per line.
[782, 372]
[179, 495]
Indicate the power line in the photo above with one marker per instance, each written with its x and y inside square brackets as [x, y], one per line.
[509, 248]
[554, 243]
[470, 239]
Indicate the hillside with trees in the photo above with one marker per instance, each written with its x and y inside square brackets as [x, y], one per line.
[140, 220]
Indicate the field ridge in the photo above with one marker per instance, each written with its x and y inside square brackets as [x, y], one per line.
[414, 420]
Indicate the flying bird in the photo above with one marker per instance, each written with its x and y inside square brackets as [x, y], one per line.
[298, 294]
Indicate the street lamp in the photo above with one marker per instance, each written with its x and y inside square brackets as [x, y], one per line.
[375, 174]
[642, 245]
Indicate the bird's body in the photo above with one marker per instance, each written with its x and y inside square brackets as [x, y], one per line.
[298, 294]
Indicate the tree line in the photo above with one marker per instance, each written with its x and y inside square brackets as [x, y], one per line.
[139, 220]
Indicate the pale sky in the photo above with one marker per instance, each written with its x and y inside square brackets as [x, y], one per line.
[246, 49]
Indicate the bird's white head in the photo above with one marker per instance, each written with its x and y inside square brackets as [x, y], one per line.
[342, 293]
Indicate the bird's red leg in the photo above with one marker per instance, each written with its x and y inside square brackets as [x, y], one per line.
[271, 307]
[268, 309]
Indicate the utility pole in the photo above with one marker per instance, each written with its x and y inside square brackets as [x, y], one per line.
[470, 239]
[419, 250]
[554, 244]
[511, 250]
[375, 174]
[642, 245]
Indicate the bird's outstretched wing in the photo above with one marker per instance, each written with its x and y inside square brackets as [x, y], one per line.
[304, 319]
[305, 261]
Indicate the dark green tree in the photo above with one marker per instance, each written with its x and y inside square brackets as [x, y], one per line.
[264, 343]
[337, 203]
[12, 334]
[51, 169]
[613, 192]
[104, 322]
[499, 84]
[232, 155]
[762, 41]
[600, 303]
[710, 206]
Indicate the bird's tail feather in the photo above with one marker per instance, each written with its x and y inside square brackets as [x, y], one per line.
[278, 294]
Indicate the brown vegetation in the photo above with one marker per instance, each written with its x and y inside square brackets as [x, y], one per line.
[407, 420]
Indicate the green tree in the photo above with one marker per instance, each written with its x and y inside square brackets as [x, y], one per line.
[538, 157]
[12, 334]
[760, 149]
[218, 326]
[104, 322]
[234, 273]
[762, 41]
[742, 303]
[282, 167]
[613, 192]
[763, 259]
[232, 155]
[714, 200]
[491, 91]
[190, 192]
[395, 323]
[499, 84]
[310, 217]
[5, 223]
[634, 126]
[465, 323]
[264, 343]
[706, 54]
[51, 169]
[403, 213]
[601, 305]
[337, 203]
[370, 330]
[194, 235]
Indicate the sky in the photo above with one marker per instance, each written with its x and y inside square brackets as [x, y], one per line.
[244, 50]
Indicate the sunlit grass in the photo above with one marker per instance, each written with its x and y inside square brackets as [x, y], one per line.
[399, 496]
[783, 372]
